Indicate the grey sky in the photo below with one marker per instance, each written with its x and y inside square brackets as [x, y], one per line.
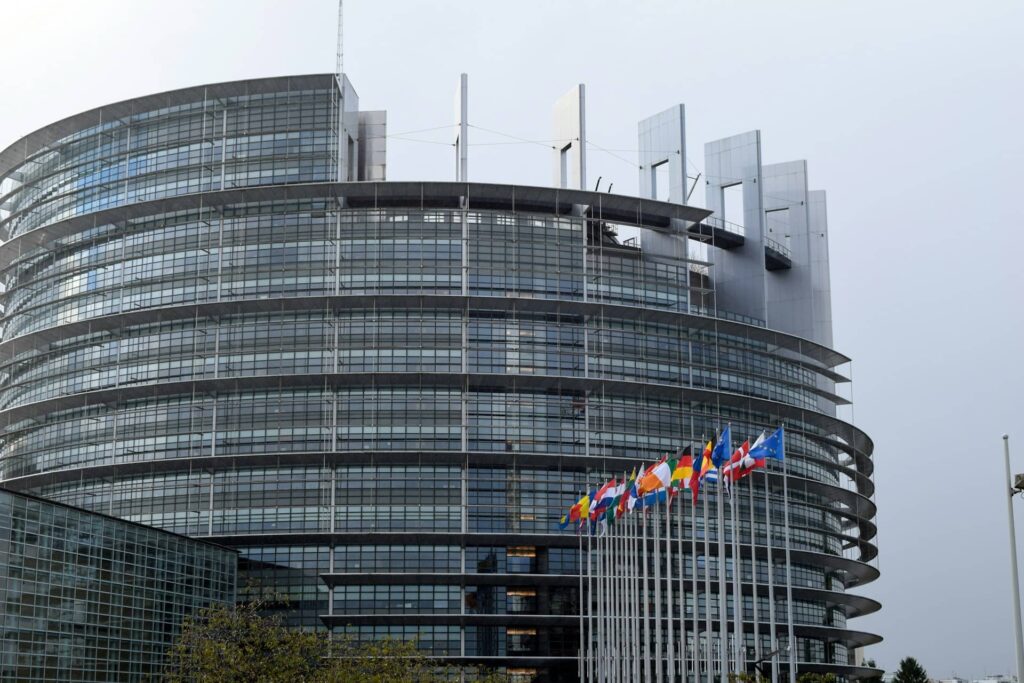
[907, 112]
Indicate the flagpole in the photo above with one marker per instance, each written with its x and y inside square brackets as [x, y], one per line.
[707, 593]
[598, 612]
[681, 562]
[609, 605]
[669, 602]
[656, 559]
[753, 571]
[696, 593]
[616, 593]
[634, 605]
[580, 604]
[634, 598]
[739, 642]
[590, 604]
[599, 605]
[789, 575]
[619, 589]
[772, 634]
[723, 615]
[646, 605]
[603, 624]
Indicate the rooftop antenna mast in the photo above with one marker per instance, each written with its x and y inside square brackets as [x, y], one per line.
[340, 55]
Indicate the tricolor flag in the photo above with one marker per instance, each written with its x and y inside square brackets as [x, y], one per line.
[682, 472]
[606, 498]
[657, 477]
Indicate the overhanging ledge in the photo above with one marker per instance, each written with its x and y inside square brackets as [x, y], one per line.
[648, 213]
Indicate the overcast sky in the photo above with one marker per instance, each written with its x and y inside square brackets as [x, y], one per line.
[908, 113]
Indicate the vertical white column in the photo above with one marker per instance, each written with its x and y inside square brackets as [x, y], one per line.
[570, 162]
[462, 130]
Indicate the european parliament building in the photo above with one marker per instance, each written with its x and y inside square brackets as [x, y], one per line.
[219, 319]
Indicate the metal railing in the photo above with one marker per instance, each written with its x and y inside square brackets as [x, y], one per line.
[777, 247]
[722, 224]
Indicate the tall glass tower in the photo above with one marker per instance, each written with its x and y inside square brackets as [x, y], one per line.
[219, 319]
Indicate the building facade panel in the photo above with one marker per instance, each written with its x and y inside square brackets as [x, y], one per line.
[88, 597]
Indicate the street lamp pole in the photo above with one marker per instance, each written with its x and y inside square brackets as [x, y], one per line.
[1013, 563]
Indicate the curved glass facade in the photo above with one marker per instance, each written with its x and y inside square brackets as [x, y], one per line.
[386, 403]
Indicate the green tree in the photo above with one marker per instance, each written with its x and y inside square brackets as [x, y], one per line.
[809, 677]
[910, 671]
[237, 644]
[870, 663]
[241, 645]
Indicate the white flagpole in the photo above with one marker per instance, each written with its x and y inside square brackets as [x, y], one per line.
[579, 600]
[634, 601]
[602, 606]
[609, 624]
[789, 576]
[626, 616]
[772, 635]
[620, 601]
[670, 642]
[709, 651]
[681, 564]
[696, 659]
[634, 595]
[590, 602]
[656, 559]
[723, 615]
[598, 613]
[613, 595]
[753, 571]
[737, 583]
[647, 606]
[609, 633]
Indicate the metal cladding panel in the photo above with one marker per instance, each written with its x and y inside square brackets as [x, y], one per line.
[373, 145]
[739, 273]
[662, 140]
[788, 292]
[821, 279]
[571, 139]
